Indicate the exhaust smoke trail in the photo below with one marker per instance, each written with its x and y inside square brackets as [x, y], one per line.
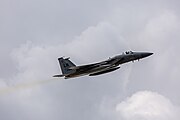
[12, 88]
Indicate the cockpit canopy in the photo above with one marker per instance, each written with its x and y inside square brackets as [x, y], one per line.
[128, 52]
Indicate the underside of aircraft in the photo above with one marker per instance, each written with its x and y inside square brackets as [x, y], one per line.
[70, 70]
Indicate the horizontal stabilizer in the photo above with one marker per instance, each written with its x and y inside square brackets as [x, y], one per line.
[58, 76]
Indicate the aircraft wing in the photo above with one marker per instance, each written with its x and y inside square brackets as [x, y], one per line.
[90, 66]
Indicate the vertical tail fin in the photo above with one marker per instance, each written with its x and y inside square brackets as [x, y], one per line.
[65, 64]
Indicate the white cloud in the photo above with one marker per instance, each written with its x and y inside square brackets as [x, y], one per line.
[147, 105]
[40, 61]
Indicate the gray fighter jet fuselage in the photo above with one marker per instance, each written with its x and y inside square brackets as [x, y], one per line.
[70, 70]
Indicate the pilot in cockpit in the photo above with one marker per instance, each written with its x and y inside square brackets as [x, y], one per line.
[129, 52]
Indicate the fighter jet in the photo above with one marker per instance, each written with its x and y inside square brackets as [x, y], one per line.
[70, 70]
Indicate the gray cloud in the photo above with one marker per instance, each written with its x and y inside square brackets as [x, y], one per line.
[35, 34]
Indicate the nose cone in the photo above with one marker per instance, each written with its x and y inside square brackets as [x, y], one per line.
[146, 54]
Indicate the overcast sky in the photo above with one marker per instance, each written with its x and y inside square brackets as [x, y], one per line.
[34, 33]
